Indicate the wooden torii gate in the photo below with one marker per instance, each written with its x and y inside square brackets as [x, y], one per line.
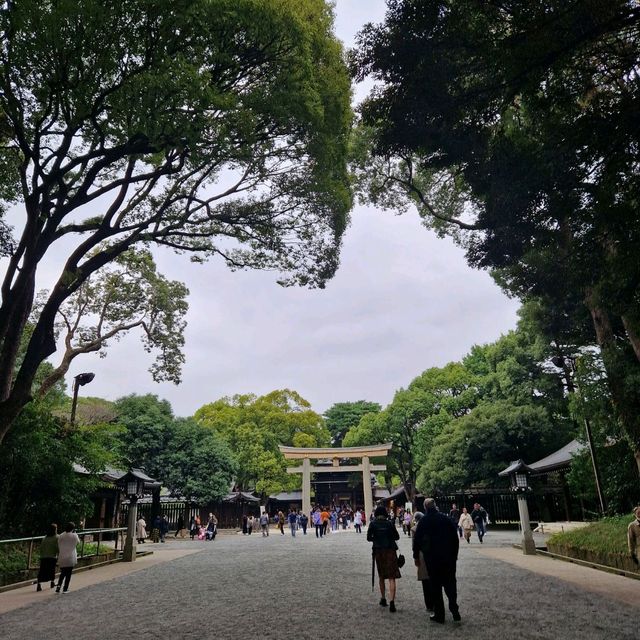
[336, 454]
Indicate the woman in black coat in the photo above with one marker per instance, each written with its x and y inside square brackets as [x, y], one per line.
[383, 533]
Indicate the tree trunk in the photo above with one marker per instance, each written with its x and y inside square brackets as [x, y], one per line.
[633, 333]
[616, 361]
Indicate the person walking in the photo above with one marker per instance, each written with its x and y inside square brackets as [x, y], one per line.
[180, 527]
[317, 522]
[437, 538]
[212, 528]
[193, 527]
[479, 517]
[454, 514]
[48, 557]
[324, 517]
[304, 521]
[423, 574]
[383, 534]
[141, 530]
[633, 536]
[292, 517]
[406, 525]
[357, 521]
[281, 522]
[67, 555]
[164, 527]
[466, 524]
[264, 524]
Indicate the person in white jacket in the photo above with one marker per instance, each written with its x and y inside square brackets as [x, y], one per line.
[67, 555]
[466, 523]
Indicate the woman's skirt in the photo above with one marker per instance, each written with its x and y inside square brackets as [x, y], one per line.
[47, 570]
[387, 564]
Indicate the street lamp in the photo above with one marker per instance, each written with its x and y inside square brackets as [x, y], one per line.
[133, 484]
[518, 472]
[79, 381]
[559, 362]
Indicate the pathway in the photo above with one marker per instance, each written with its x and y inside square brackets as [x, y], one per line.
[306, 588]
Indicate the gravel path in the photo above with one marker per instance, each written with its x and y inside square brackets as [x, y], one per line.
[308, 589]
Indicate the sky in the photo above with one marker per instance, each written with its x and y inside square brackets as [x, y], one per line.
[402, 301]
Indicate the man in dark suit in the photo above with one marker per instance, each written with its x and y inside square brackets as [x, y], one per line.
[437, 537]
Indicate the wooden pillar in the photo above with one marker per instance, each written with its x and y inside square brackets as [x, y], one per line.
[366, 486]
[306, 486]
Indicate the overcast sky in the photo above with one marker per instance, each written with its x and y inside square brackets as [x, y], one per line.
[402, 301]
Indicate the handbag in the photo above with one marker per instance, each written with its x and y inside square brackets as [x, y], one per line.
[401, 560]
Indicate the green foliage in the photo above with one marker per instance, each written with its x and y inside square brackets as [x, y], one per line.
[473, 449]
[197, 464]
[608, 535]
[184, 135]
[253, 427]
[512, 128]
[458, 425]
[149, 424]
[38, 484]
[343, 415]
[125, 295]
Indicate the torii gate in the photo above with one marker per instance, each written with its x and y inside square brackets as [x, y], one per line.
[335, 454]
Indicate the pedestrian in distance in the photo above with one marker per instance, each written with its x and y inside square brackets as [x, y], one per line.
[317, 522]
[423, 574]
[264, 524]
[193, 527]
[454, 514]
[357, 521]
[48, 557]
[324, 516]
[406, 524]
[437, 538]
[479, 517]
[383, 534]
[67, 556]
[292, 517]
[155, 531]
[180, 527]
[304, 521]
[466, 524]
[141, 530]
[281, 522]
[164, 527]
[250, 525]
[245, 524]
[212, 528]
[633, 536]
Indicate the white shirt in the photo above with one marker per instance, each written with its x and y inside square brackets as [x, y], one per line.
[67, 556]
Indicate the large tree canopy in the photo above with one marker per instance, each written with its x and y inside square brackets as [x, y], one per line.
[253, 427]
[513, 127]
[214, 127]
[341, 416]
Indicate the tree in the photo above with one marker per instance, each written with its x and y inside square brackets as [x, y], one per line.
[253, 427]
[414, 418]
[523, 147]
[473, 449]
[149, 424]
[122, 296]
[342, 416]
[212, 127]
[197, 464]
[39, 483]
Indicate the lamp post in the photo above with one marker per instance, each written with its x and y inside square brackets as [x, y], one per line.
[79, 381]
[559, 362]
[132, 483]
[518, 475]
